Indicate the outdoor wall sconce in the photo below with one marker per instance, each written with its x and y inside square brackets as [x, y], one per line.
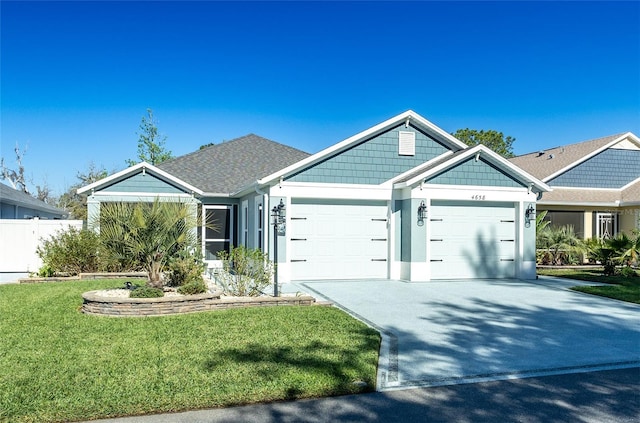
[278, 214]
[422, 213]
[279, 217]
[529, 215]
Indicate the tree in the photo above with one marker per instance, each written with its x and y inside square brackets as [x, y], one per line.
[148, 234]
[494, 140]
[74, 203]
[15, 177]
[151, 147]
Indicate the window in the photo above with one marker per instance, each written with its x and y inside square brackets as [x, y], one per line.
[217, 230]
[260, 217]
[567, 218]
[245, 223]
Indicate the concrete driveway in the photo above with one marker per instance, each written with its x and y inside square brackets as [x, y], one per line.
[451, 332]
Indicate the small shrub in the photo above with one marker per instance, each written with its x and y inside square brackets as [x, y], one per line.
[71, 251]
[193, 288]
[184, 269]
[146, 292]
[628, 272]
[244, 272]
[46, 271]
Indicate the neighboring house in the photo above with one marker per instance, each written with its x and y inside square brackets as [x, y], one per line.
[16, 204]
[401, 200]
[596, 184]
[24, 222]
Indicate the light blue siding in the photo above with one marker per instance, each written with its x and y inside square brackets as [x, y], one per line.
[476, 173]
[373, 161]
[144, 183]
[613, 168]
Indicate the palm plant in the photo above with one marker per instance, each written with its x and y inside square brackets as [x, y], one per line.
[148, 234]
[627, 248]
[560, 243]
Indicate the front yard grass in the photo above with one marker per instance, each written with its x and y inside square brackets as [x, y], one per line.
[61, 365]
[620, 287]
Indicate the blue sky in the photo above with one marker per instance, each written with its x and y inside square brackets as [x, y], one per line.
[77, 77]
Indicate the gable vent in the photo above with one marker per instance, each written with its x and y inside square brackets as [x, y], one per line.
[406, 143]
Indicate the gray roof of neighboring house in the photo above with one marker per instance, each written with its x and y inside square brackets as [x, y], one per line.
[9, 195]
[554, 159]
[229, 166]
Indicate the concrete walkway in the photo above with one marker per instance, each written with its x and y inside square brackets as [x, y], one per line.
[451, 332]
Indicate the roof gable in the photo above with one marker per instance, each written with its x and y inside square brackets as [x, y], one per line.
[408, 119]
[611, 168]
[134, 173]
[475, 172]
[374, 160]
[486, 166]
[549, 163]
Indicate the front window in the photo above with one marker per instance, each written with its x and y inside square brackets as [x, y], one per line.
[217, 230]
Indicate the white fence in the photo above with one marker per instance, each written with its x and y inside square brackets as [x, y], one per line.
[19, 239]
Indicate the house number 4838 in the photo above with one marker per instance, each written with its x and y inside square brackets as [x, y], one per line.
[477, 197]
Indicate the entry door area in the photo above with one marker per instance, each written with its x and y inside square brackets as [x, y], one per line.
[338, 240]
[471, 240]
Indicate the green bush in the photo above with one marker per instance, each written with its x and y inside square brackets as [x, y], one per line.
[186, 267]
[628, 272]
[146, 292]
[193, 287]
[46, 271]
[244, 272]
[71, 251]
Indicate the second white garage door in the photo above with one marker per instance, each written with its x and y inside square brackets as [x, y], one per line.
[338, 240]
[471, 240]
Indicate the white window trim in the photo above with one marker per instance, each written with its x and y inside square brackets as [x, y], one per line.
[204, 230]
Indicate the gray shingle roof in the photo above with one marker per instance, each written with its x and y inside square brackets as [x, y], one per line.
[225, 168]
[9, 195]
[557, 158]
[628, 196]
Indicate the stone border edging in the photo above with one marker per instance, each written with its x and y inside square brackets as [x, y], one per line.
[164, 306]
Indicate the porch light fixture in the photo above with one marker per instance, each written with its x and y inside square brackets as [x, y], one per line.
[529, 215]
[279, 217]
[422, 213]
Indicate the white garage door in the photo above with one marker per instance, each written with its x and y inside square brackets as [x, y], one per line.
[471, 240]
[338, 240]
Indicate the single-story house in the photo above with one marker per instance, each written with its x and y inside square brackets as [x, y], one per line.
[16, 204]
[596, 184]
[401, 200]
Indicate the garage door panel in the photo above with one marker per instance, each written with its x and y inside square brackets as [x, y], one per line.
[342, 241]
[468, 241]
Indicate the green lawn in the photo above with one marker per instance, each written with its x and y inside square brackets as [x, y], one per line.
[620, 288]
[60, 365]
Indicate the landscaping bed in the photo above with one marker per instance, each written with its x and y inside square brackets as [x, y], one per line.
[97, 303]
[59, 364]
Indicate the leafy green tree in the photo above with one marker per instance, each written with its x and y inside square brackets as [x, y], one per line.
[74, 203]
[149, 234]
[151, 147]
[494, 140]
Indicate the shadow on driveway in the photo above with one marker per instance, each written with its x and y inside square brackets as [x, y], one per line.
[448, 332]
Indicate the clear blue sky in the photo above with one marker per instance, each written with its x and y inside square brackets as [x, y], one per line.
[77, 77]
